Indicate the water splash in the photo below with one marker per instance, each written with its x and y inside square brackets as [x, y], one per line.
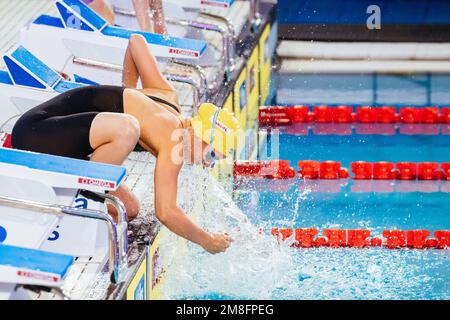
[254, 267]
[258, 267]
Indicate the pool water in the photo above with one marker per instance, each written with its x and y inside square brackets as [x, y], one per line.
[257, 266]
[370, 148]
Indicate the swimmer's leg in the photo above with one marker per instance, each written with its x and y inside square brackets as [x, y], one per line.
[113, 136]
[104, 9]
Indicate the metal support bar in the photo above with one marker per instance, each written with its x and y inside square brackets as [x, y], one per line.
[122, 220]
[196, 88]
[115, 259]
[227, 40]
[255, 16]
[97, 64]
[200, 72]
[37, 289]
[231, 37]
[228, 36]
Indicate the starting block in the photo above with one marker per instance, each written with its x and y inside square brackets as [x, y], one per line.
[80, 42]
[26, 83]
[57, 205]
[28, 267]
[182, 20]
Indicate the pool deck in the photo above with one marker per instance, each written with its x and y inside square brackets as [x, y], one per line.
[14, 15]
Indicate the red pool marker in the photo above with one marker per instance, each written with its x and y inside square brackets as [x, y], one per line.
[320, 242]
[357, 238]
[383, 171]
[336, 237]
[417, 238]
[366, 115]
[429, 171]
[362, 170]
[446, 168]
[272, 169]
[445, 117]
[305, 237]
[277, 169]
[322, 114]
[247, 168]
[298, 114]
[274, 115]
[282, 233]
[343, 114]
[7, 142]
[430, 115]
[410, 115]
[376, 242]
[386, 114]
[309, 169]
[443, 238]
[407, 170]
[395, 238]
[329, 170]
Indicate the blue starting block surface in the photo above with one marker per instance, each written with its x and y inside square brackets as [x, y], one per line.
[5, 78]
[39, 69]
[27, 70]
[180, 43]
[75, 14]
[36, 260]
[56, 164]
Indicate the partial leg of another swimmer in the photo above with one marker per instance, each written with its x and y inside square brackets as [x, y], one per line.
[140, 63]
[104, 9]
[113, 136]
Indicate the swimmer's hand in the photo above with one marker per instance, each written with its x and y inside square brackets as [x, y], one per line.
[217, 243]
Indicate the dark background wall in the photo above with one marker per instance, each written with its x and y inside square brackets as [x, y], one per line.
[401, 20]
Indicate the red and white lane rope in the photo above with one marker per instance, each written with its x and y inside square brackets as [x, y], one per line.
[333, 170]
[283, 115]
[361, 238]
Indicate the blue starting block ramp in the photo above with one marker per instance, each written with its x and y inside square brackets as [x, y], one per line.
[62, 172]
[28, 266]
[74, 14]
[26, 70]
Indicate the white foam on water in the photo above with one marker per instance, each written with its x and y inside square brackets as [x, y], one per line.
[255, 266]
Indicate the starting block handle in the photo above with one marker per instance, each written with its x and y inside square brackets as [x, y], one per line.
[204, 4]
[115, 255]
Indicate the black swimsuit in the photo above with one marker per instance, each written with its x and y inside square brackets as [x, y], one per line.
[61, 125]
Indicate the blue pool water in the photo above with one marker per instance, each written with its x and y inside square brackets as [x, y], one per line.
[374, 273]
[355, 147]
[250, 270]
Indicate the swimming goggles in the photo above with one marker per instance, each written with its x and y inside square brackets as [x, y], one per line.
[211, 140]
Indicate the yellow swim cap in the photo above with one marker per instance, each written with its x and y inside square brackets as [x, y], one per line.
[224, 131]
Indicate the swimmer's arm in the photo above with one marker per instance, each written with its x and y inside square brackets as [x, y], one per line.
[167, 211]
[140, 62]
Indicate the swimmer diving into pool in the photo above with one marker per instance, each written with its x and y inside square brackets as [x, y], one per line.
[105, 123]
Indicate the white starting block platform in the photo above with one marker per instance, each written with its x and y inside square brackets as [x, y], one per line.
[31, 268]
[43, 208]
[26, 83]
[79, 42]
